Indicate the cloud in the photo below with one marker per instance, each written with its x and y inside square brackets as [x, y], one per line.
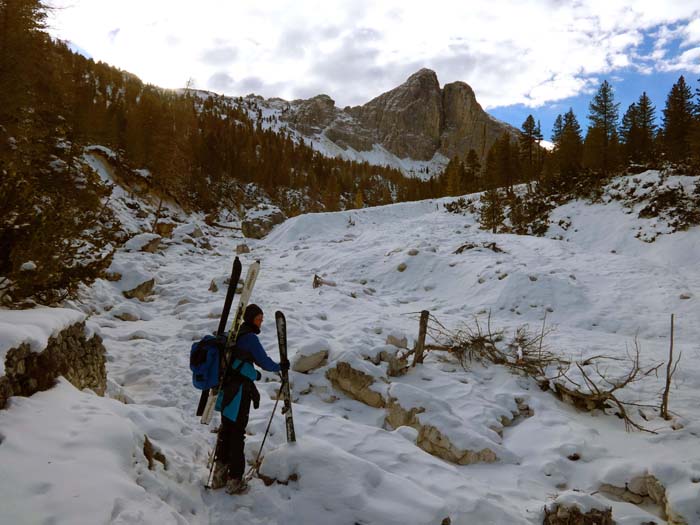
[221, 81]
[219, 55]
[530, 52]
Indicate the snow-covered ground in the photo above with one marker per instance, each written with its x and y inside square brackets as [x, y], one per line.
[72, 457]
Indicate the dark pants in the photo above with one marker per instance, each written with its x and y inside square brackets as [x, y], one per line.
[232, 440]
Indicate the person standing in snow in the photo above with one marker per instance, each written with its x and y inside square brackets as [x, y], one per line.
[237, 394]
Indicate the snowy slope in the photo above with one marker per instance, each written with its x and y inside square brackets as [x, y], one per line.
[599, 285]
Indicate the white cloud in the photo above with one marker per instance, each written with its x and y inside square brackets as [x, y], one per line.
[529, 52]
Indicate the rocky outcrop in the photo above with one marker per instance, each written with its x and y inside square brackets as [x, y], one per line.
[69, 354]
[432, 440]
[645, 489]
[308, 362]
[142, 291]
[408, 119]
[565, 515]
[258, 223]
[313, 115]
[414, 120]
[355, 383]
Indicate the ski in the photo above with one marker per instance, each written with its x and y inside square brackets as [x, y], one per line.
[247, 291]
[221, 330]
[281, 323]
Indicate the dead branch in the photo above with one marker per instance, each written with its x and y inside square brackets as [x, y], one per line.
[670, 370]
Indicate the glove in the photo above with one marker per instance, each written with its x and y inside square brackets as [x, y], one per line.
[284, 365]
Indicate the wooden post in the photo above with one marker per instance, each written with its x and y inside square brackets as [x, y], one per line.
[669, 375]
[420, 344]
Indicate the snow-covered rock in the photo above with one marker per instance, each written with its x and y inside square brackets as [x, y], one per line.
[260, 221]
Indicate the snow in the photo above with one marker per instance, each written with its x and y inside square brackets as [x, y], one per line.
[599, 286]
[34, 327]
[137, 242]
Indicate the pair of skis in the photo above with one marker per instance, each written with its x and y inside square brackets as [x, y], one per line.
[207, 400]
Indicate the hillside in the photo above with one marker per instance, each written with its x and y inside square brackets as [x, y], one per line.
[70, 456]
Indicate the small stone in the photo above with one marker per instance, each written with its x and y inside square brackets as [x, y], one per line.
[242, 248]
[413, 252]
[401, 267]
[213, 287]
[685, 296]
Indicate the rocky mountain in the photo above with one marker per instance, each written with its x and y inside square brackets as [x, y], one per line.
[417, 120]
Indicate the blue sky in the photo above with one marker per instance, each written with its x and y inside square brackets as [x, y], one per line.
[628, 86]
[519, 56]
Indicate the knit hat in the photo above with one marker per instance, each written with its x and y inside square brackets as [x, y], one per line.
[251, 312]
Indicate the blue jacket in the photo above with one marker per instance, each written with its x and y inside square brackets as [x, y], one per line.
[247, 344]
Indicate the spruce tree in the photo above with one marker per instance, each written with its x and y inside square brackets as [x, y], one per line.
[472, 167]
[528, 147]
[603, 116]
[678, 122]
[570, 149]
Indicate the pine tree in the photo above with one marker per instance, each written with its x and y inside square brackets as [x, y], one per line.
[569, 151]
[603, 116]
[528, 147]
[557, 129]
[678, 122]
[472, 167]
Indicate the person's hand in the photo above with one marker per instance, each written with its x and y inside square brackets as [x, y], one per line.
[284, 365]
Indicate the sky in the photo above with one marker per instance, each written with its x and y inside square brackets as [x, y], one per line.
[520, 57]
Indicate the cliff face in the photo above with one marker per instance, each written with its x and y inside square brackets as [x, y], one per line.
[415, 120]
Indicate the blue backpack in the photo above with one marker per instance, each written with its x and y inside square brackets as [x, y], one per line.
[204, 361]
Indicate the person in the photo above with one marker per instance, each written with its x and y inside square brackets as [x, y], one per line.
[235, 398]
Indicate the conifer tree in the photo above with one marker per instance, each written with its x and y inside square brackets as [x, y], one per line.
[678, 122]
[472, 167]
[528, 147]
[569, 151]
[601, 140]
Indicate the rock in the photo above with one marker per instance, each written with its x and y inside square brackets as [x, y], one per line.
[407, 119]
[401, 267]
[307, 363]
[126, 316]
[152, 455]
[413, 252]
[400, 341]
[432, 440]
[69, 354]
[560, 514]
[196, 232]
[313, 115]
[164, 228]
[259, 222]
[355, 383]
[242, 248]
[142, 291]
[416, 119]
[144, 242]
[685, 296]
[213, 287]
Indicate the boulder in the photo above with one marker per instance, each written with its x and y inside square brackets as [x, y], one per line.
[432, 440]
[355, 384]
[242, 248]
[309, 362]
[259, 222]
[142, 291]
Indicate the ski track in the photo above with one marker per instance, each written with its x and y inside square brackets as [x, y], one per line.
[597, 300]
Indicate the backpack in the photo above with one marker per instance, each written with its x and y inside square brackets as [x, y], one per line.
[204, 361]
